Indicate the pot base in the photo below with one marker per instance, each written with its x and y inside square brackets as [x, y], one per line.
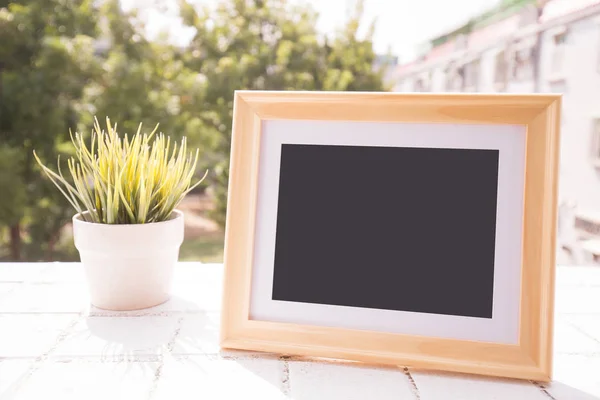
[131, 307]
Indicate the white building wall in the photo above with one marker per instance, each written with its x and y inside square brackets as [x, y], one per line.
[580, 179]
[488, 69]
[438, 80]
[579, 190]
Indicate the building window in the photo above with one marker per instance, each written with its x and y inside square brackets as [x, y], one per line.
[523, 66]
[455, 77]
[423, 82]
[523, 54]
[558, 55]
[596, 143]
[420, 85]
[587, 226]
[500, 71]
[471, 72]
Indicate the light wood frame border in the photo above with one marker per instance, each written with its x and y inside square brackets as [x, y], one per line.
[531, 358]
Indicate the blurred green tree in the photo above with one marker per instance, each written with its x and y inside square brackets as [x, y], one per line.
[62, 62]
[268, 45]
[136, 76]
[144, 81]
[46, 60]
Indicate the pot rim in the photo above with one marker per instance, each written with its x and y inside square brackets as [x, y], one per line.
[176, 215]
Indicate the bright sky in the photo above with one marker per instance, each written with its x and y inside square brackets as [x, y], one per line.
[402, 25]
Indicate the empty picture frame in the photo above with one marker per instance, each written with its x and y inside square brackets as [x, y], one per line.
[404, 229]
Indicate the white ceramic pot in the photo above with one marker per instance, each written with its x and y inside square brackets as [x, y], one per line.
[129, 267]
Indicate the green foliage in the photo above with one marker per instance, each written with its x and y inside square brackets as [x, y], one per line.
[122, 180]
[268, 45]
[64, 61]
[147, 82]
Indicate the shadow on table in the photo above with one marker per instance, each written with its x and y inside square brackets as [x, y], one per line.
[192, 338]
[142, 335]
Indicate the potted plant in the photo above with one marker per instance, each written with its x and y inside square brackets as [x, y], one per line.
[127, 229]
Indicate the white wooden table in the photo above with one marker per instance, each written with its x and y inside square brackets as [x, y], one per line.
[53, 345]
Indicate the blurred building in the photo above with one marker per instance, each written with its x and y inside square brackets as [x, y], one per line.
[534, 46]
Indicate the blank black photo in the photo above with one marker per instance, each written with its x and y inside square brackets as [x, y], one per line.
[407, 229]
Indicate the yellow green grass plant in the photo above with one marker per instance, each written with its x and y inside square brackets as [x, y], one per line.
[126, 180]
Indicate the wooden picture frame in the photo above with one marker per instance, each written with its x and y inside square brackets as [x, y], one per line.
[529, 357]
